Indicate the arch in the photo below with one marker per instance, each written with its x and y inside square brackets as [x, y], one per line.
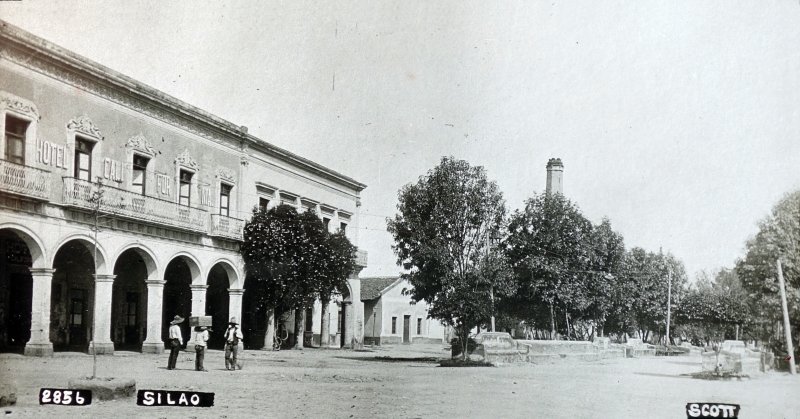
[234, 277]
[88, 241]
[35, 246]
[148, 257]
[192, 263]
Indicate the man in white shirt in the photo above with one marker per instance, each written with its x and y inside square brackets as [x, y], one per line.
[232, 337]
[200, 342]
[175, 341]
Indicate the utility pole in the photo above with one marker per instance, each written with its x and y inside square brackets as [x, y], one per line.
[669, 304]
[787, 331]
[491, 294]
[96, 200]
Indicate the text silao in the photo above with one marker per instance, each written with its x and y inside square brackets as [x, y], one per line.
[174, 398]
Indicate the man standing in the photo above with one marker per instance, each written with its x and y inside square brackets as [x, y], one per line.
[200, 342]
[232, 337]
[175, 341]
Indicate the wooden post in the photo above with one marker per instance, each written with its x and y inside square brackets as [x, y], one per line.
[786, 326]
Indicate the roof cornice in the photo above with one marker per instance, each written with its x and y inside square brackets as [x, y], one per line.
[31, 51]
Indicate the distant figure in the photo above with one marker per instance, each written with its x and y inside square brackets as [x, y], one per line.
[175, 341]
[200, 342]
[232, 337]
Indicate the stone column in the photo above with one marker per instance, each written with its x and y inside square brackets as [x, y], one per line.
[103, 290]
[235, 307]
[347, 333]
[198, 300]
[357, 308]
[39, 343]
[155, 297]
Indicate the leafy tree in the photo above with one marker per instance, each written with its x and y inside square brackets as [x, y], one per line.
[549, 247]
[778, 237]
[442, 234]
[714, 309]
[605, 266]
[278, 257]
[339, 265]
[643, 290]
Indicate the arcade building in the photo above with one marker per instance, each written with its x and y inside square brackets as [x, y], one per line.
[169, 187]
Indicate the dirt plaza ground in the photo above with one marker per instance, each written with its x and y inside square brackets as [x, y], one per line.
[402, 382]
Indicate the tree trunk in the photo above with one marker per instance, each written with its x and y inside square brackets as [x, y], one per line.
[552, 323]
[566, 317]
[464, 342]
[269, 337]
[299, 327]
[325, 333]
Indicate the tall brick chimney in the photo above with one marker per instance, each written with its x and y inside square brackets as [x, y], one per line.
[555, 173]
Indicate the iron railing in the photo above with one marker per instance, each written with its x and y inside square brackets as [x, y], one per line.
[227, 227]
[127, 204]
[24, 180]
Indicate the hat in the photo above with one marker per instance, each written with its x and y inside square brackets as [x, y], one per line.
[176, 320]
[233, 320]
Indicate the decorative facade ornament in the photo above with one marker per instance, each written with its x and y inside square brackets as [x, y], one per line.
[139, 143]
[19, 105]
[244, 161]
[226, 174]
[184, 159]
[84, 125]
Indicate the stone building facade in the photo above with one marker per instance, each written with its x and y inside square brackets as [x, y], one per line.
[168, 186]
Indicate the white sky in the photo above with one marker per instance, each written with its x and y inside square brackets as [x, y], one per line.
[679, 120]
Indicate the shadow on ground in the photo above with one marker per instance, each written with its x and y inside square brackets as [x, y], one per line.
[423, 359]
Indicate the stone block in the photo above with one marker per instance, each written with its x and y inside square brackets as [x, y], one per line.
[105, 388]
[8, 393]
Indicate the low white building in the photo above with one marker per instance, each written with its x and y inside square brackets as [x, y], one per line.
[391, 317]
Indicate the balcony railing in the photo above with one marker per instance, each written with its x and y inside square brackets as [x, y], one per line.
[78, 193]
[24, 180]
[230, 228]
[361, 258]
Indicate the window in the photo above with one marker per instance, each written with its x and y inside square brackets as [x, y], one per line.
[185, 188]
[394, 325]
[327, 222]
[15, 139]
[83, 159]
[343, 227]
[419, 326]
[263, 204]
[225, 199]
[139, 173]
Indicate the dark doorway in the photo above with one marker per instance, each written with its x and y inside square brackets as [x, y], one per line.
[129, 302]
[254, 315]
[16, 292]
[342, 322]
[71, 308]
[406, 329]
[217, 306]
[177, 297]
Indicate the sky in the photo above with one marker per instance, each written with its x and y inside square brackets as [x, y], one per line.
[679, 120]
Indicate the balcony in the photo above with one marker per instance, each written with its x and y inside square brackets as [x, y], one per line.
[24, 180]
[126, 204]
[227, 227]
[361, 258]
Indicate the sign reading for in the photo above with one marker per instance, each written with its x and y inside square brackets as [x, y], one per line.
[65, 397]
[712, 410]
[174, 398]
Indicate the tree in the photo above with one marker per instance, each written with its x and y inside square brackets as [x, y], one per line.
[605, 266]
[276, 252]
[442, 234]
[713, 309]
[549, 247]
[339, 265]
[778, 237]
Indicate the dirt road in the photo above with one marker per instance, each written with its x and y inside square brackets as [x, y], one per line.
[403, 382]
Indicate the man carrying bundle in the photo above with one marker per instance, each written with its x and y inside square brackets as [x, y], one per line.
[232, 337]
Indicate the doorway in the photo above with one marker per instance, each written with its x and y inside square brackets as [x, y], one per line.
[406, 329]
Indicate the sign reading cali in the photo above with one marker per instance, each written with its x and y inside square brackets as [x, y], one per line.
[174, 398]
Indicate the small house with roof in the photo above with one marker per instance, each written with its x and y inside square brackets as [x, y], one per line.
[390, 317]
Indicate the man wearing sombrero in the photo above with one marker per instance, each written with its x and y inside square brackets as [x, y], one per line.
[175, 341]
[232, 337]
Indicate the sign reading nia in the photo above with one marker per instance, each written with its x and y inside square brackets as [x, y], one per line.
[174, 398]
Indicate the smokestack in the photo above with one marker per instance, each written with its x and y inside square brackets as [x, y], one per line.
[555, 173]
